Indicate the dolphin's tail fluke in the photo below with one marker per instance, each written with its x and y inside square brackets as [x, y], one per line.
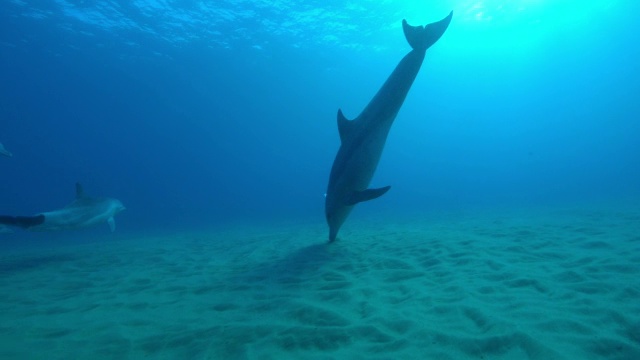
[422, 37]
[24, 222]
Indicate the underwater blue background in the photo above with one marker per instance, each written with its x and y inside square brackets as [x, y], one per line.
[511, 230]
[197, 113]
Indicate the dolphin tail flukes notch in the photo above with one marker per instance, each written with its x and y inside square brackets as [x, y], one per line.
[22, 221]
[422, 37]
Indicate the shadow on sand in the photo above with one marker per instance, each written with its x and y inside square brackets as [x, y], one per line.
[302, 263]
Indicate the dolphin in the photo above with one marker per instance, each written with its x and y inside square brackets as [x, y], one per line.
[4, 151]
[83, 212]
[363, 139]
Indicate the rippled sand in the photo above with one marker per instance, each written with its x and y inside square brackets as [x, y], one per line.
[560, 284]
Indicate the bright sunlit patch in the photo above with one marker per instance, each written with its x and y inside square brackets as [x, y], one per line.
[499, 10]
[509, 11]
[506, 23]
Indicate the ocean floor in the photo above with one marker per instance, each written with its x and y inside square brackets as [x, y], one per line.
[544, 284]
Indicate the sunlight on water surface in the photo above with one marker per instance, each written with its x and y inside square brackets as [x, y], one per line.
[519, 23]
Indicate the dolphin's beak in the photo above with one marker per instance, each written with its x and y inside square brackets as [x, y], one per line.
[333, 232]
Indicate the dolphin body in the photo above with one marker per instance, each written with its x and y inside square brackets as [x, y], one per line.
[4, 151]
[363, 139]
[83, 212]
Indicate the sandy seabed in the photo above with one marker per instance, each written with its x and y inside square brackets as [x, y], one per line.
[545, 284]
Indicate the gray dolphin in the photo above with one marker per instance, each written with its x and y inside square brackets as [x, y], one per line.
[363, 139]
[83, 212]
[4, 151]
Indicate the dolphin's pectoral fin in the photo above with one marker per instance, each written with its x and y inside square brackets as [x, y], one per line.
[79, 191]
[344, 126]
[112, 224]
[422, 37]
[366, 195]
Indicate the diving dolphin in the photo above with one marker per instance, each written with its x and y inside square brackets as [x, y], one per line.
[4, 151]
[83, 212]
[363, 139]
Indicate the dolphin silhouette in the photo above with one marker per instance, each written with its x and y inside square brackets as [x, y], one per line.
[363, 139]
[4, 151]
[83, 212]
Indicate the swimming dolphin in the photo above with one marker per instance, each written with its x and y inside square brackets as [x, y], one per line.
[362, 139]
[4, 151]
[83, 212]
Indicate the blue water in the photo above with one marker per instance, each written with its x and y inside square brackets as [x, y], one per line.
[193, 113]
[510, 230]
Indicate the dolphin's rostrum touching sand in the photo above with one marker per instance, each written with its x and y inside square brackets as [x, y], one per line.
[83, 212]
[363, 138]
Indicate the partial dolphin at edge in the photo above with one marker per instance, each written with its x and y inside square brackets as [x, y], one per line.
[4, 151]
[83, 212]
[363, 139]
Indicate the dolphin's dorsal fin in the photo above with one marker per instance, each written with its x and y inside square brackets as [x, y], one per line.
[366, 195]
[79, 191]
[112, 224]
[344, 126]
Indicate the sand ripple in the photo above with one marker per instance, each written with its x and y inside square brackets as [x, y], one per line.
[501, 286]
